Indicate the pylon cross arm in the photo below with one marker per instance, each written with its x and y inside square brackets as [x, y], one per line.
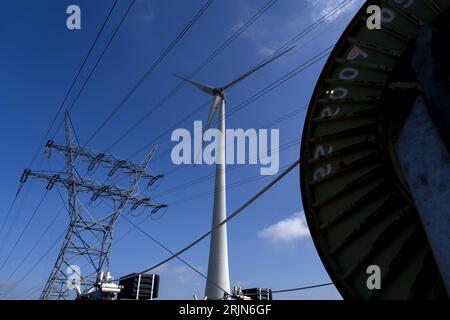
[97, 190]
[108, 161]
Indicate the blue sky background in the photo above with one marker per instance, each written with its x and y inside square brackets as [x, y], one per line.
[268, 243]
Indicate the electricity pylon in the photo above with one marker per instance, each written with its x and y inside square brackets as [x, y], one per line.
[90, 235]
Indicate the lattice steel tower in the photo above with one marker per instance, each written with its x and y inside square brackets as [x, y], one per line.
[90, 235]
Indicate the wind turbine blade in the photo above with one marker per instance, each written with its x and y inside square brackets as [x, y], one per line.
[212, 112]
[200, 86]
[265, 63]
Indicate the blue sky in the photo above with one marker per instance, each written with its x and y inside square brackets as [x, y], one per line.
[269, 244]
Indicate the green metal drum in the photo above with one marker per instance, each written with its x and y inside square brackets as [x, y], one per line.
[356, 202]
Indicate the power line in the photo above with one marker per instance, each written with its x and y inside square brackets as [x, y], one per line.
[155, 64]
[350, 1]
[192, 182]
[188, 184]
[73, 83]
[79, 93]
[267, 89]
[24, 229]
[46, 253]
[20, 209]
[267, 125]
[45, 232]
[105, 49]
[82, 223]
[62, 104]
[125, 234]
[239, 183]
[293, 40]
[11, 207]
[228, 187]
[189, 115]
[288, 145]
[171, 252]
[136, 226]
[315, 24]
[54, 244]
[36, 243]
[305, 65]
[143, 78]
[176, 255]
[310, 62]
[262, 92]
[92, 70]
[304, 288]
[236, 184]
[199, 68]
[32, 291]
[231, 216]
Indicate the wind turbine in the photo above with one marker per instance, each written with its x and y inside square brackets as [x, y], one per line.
[218, 274]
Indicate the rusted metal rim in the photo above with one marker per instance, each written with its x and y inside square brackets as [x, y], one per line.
[357, 205]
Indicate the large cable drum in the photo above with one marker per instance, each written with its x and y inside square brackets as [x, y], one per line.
[356, 201]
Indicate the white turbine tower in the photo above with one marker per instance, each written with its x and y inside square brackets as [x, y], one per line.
[218, 274]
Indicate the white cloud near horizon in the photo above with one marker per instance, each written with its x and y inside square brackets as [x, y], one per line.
[287, 230]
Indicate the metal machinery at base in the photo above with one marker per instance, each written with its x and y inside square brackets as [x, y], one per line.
[261, 294]
[139, 286]
[357, 204]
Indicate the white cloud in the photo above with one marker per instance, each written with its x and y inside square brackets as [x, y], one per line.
[287, 230]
